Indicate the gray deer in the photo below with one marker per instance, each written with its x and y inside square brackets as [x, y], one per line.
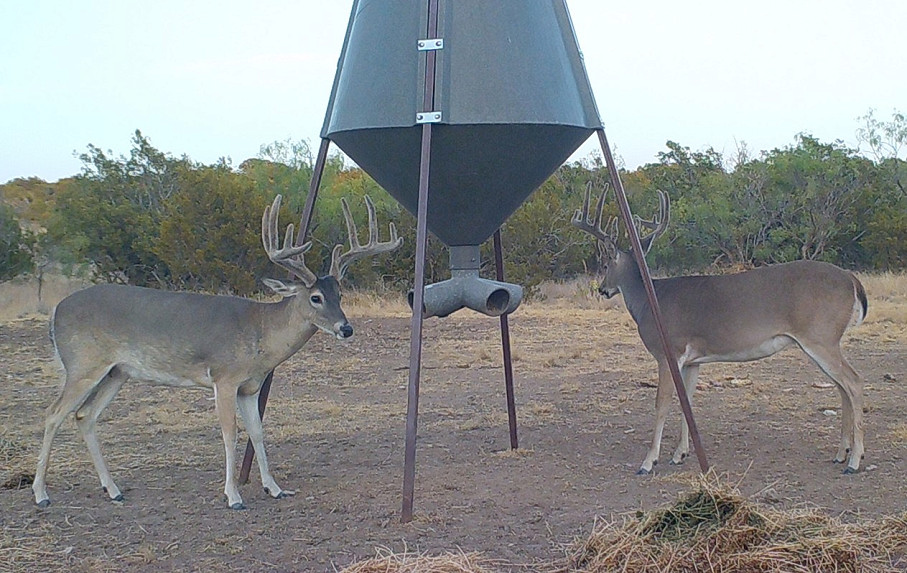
[736, 318]
[108, 334]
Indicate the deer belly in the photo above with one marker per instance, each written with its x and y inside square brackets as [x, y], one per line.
[161, 377]
[743, 354]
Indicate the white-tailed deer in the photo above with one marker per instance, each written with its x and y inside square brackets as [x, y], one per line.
[736, 318]
[107, 334]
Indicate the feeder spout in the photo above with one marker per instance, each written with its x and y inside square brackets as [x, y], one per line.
[465, 289]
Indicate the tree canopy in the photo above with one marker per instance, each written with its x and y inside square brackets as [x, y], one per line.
[149, 218]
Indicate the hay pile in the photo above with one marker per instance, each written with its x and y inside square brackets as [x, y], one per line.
[388, 562]
[715, 529]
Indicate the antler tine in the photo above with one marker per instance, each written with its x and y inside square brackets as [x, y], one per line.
[659, 222]
[340, 262]
[290, 255]
[582, 221]
[351, 229]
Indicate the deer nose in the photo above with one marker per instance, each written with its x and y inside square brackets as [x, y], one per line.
[346, 330]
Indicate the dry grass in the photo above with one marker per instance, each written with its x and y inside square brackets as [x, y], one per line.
[19, 297]
[388, 562]
[714, 528]
[898, 434]
[376, 304]
[27, 549]
[887, 293]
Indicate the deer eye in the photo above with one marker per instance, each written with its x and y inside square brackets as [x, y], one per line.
[316, 299]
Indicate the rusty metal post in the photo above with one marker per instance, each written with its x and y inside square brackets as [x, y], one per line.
[627, 216]
[505, 346]
[304, 223]
[415, 346]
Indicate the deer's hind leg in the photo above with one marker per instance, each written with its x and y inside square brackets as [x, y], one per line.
[86, 418]
[225, 395]
[76, 390]
[850, 386]
[846, 428]
[690, 375]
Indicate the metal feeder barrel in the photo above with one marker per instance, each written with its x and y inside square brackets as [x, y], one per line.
[512, 103]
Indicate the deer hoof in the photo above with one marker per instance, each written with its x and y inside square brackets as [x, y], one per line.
[118, 498]
[43, 503]
[850, 471]
[238, 506]
[643, 472]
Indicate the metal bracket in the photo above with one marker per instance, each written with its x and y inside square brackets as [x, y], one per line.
[428, 117]
[430, 44]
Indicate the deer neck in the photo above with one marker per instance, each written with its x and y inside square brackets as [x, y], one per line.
[285, 327]
[631, 286]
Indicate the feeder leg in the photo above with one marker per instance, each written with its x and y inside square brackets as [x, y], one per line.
[505, 346]
[415, 347]
[415, 343]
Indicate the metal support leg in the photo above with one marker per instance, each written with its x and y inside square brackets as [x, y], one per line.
[505, 346]
[415, 347]
[653, 300]
[304, 223]
[415, 342]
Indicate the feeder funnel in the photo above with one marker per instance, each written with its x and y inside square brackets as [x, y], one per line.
[511, 90]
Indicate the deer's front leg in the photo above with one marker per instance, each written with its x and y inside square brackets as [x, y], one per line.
[248, 409]
[225, 403]
[662, 403]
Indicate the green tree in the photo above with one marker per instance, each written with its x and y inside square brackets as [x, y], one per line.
[883, 244]
[16, 245]
[108, 216]
[701, 213]
[285, 168]
[819, 187]
[210, 233]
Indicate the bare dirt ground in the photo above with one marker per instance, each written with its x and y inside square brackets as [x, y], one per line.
[335, 427]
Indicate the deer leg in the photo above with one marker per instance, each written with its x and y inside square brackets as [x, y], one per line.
[846, 427]
[690, 375]
[86, 418]
[75, 391]
[225, 404]
[850, 386]
[662, 403]
[248, 409]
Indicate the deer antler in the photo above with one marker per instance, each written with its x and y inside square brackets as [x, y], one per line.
[340, 262]
[658, 224]
[593, 226]
[290, 256]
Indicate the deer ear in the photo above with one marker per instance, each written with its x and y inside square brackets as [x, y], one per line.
[283, 289]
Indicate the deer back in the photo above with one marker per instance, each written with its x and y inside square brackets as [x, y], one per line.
[807, 300]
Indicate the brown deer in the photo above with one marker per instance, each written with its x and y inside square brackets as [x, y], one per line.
[736, 318]
[108, 334]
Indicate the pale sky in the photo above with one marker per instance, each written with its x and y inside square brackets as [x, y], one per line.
[220, 78]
